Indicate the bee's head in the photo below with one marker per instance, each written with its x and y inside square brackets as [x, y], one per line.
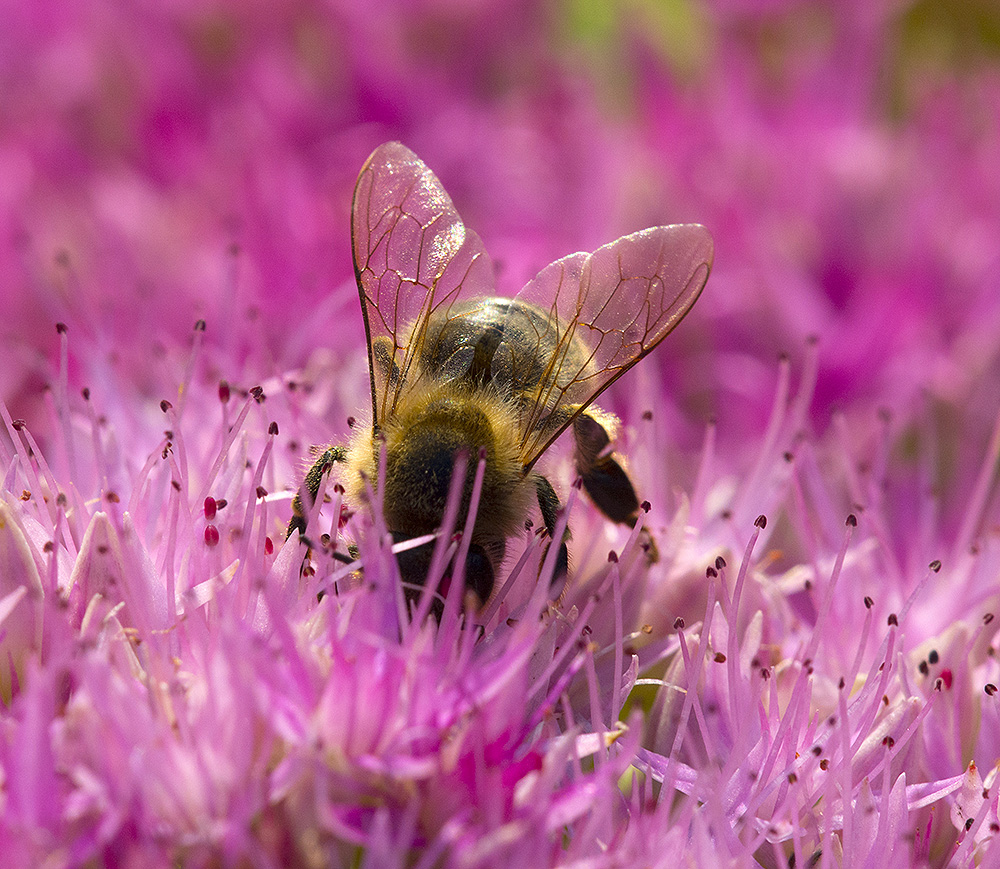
[415, 564]
[425, 446]
[420, 463]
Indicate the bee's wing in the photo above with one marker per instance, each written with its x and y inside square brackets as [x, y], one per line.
[413, 257]
[619, 302]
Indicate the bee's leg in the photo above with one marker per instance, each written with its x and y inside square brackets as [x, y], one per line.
[353, 554]
[604, 479]
[548, 503]
[311, 485]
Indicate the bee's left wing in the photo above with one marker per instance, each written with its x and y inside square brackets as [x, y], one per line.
[413, 257]
[617, 304]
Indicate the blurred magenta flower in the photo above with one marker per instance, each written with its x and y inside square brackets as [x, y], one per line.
[817, 686]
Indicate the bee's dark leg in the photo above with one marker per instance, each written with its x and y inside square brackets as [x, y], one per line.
[604, 479]
[311, 485]
[548, 503]
[353, 554]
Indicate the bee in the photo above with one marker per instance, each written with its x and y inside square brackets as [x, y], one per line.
[457, 373]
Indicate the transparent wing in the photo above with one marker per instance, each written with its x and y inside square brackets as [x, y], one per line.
[606, 311]
[413, 257]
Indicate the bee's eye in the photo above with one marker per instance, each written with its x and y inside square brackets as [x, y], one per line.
[414, 564]
[479, 573]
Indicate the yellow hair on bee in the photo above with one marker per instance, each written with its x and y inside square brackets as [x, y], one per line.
[431, 426]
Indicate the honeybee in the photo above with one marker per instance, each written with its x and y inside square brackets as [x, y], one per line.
[457, 373]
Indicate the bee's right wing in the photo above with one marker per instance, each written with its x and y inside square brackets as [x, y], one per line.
[413, 257]
[606, 311]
